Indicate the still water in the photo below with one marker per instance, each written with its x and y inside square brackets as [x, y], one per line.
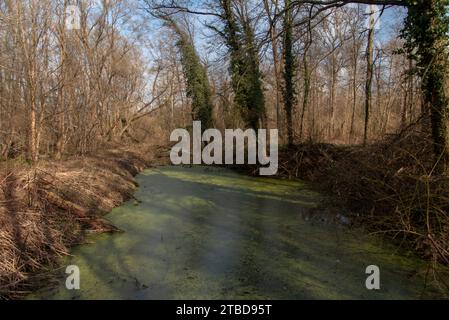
[211, 233]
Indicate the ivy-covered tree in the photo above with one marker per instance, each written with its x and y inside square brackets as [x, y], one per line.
[197, 81]
[255, 100]
[426, 33]
[289, 69]
[244, 65]
[427, 42]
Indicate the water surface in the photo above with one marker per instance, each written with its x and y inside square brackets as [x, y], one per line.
[210, 233]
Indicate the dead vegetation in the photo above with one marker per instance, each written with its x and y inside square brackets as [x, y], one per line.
[47, 208]
[391, 185]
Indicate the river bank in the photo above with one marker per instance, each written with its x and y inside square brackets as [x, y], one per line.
[389, 187]
[201, 232]
[47, 208]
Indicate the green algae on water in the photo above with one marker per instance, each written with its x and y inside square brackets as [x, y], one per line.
[210, 233]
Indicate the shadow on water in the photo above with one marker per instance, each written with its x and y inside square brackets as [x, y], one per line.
[208, 233]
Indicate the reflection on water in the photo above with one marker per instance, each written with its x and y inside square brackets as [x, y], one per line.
[208, 233]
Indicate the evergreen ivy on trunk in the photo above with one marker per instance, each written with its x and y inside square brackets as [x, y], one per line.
[197, 81]
[426, 33]
[244, 66]
[289, 70]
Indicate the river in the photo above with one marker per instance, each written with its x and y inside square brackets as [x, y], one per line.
[211, 233]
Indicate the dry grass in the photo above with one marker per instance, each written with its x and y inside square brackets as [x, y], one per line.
[391, 185]
[47, 208]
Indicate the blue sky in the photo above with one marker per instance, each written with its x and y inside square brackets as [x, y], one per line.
[207, 46]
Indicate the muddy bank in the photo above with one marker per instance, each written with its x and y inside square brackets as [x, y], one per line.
[47, 208]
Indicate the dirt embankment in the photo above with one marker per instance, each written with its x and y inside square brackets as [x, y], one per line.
[47, 208]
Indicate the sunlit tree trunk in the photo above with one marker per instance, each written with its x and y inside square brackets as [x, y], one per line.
[276, 61]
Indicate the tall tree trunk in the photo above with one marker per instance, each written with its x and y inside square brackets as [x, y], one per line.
[369, 75]
[306, 77]
[246, 77]
[426, 31]
[333, 89]
[354, 98]
[355, 69]
[276, 62]
[289, 66]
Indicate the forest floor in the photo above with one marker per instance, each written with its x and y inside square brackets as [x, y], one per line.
[47, 208]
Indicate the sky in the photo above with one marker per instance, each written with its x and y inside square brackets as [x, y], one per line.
[208, 47]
